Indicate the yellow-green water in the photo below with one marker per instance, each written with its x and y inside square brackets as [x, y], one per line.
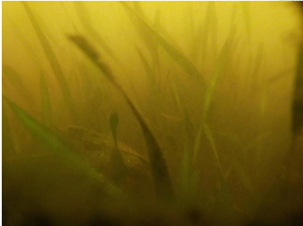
[213, 80]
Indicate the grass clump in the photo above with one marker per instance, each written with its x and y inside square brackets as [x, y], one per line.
[205, 116]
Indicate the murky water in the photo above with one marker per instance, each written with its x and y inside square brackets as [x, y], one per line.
[201, 95]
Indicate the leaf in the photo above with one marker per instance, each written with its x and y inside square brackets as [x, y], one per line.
[114, 121]
[151, 77]
[208, 100]
[8, 141]
[87, 25]
[117, 165]
[159, 169]
[54, 63]
[176, 54]
[15, 79]
[55, 145]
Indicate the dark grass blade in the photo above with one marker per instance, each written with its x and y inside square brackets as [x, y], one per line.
[45, 102]
[87, 25]
[15, 79]
[56, 146]
[54, 63]
[118, 168]
[159, 169]
[175, 53]
[26, 44]
[152, 79]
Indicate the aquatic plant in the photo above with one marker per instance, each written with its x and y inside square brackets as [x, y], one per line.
[202, 105]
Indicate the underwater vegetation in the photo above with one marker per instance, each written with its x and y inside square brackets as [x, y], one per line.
[152, 113]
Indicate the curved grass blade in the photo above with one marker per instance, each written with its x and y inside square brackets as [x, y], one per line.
[151, 77]
[55, 145]
[176, 54]
[15, 79]
[87, 25]
[159, 169]
[54, 63]
[144, 33]
[208, 102]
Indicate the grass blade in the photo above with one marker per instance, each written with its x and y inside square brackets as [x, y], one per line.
[159, 169]
[8, 146]
[202, 37]
[176, 54]
[15, 79]
[54, 63]
[45, 102]
[87, 25]
[118, 168]
[151, 77]
[213, 28]
[55, 145]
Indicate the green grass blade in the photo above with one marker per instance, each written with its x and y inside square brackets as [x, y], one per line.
[55, 145]
[114, 121]
[176, 54]
[218, 71]
[212, 142]
[204, 127]
[8, 145]
[45, 102]
[226, 195]
[54, 63]
[189, 174]
[202, 37]
[186, 167]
